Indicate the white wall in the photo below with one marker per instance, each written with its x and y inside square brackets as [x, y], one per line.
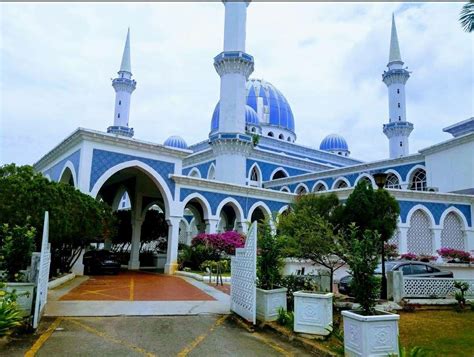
[451, 169]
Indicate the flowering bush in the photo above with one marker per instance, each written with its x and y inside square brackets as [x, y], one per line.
[408, 256]
[391, 251]
[454, 254]
[221, 242]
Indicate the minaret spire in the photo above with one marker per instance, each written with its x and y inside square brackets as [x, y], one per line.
[126, 66]
[398, 128]
[124, 85]
[230, 143]
[394, 55]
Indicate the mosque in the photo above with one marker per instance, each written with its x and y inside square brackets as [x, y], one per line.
[251, 166]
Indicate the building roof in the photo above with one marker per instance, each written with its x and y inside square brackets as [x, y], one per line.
[394, 55]
[176, 141]
[126, 65]
[334, 142]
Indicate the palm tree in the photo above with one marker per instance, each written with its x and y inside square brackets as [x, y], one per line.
[466, 16]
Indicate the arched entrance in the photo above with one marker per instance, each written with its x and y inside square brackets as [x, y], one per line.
[147, 191]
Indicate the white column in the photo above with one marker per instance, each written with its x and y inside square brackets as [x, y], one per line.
[436, 240]
[211, 225]
[403, 246]
[242, 227]
[134, 262]
[469, 239]
[173, 240]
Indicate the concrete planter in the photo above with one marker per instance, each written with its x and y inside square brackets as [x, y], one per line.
[375, 335]
[313, 313]
[268, 303]
[26, 290]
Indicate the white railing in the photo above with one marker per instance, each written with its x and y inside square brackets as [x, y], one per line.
[433, 287]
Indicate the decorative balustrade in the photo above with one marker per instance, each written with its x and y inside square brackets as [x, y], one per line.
[433, 287]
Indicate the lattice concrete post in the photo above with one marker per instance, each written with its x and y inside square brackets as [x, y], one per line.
[402, 249]
[436, 241]
[395, 289]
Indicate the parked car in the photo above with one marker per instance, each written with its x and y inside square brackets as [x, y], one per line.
[407, 267]
[99, 262]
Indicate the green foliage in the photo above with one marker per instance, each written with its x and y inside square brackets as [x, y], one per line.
[76, 219]
[10, 313]
[298, 283]
[415, 351]
[255, 139]
[371, 210]
[213, 264]
[466, 16]
[286, 318]
[194, 256]
[269, 259]
[16, 246]
[463, 286]
[362, 258]
[310, 231]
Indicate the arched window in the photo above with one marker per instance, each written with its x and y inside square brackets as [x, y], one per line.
[398, 91]
[195, 173]
[118, 115]
[285, 189]
[253, 129]
[211, 174]
[418, 181]
[301, 190]
[255, 176]
[320, 187]
[270, 134]
[419, 235]
[278, 175]
[452, 235]
[281, 137]
[392, 181]
[341, 184]
[399, 105]
[367, 180]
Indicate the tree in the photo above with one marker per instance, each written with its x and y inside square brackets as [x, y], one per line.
[269, 259]
[310, 231]
[361, 254]
[466, 16]
[76, 219]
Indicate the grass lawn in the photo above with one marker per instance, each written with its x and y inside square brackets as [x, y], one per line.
[443, 332]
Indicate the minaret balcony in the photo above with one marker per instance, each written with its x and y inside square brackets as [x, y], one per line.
[395, 76]
[120, 130]
[397, 128]
[234, 62]
[124, 84]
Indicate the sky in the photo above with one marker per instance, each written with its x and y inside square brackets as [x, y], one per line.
[57, 61]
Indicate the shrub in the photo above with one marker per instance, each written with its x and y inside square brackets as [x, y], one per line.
[10, 313]
[17, 244]
[391, 251]
[212, 265]
[463, 286]
[409, 256]
[362, 258]
[221, 242]
[427, 258]
[454, 254]
[193, 256]
[296, 283]
[269, 259]
[285, 318]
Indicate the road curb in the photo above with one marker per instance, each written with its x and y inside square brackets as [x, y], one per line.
[60, 281]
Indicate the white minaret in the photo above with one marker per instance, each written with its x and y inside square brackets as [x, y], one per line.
[231, 145]
[398, 129]
[124, 85]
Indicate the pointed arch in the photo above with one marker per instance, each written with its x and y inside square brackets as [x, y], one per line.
[301, 189]
[195, 172]
[68, 169]
[206, 207]
[239, 212]
[118, 197]
[418, 186]
[255, 176]
[453, 230]
[285, 189]
[154, 176]
[211, 172]
[394, 180]
[319, 186]
[365, 176]
[456, 211]
[278, 173]
[340, 183]
[263, 206]
[420, 231]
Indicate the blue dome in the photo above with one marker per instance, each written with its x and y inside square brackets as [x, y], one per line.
[251, 117]
[176, 142]
[334, 142]
[278, 109]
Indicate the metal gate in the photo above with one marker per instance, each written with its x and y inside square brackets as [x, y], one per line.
[243, 291]
[43, 274]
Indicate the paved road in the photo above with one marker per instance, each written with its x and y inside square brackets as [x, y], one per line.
[204, 335]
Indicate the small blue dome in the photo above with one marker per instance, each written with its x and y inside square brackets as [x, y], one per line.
[276, 105]
[176, 142]
[251, 117]
[334, 142]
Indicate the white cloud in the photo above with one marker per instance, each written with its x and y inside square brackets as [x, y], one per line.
[57, 61]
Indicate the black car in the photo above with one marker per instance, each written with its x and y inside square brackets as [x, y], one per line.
[412, 268]
[99, 262]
